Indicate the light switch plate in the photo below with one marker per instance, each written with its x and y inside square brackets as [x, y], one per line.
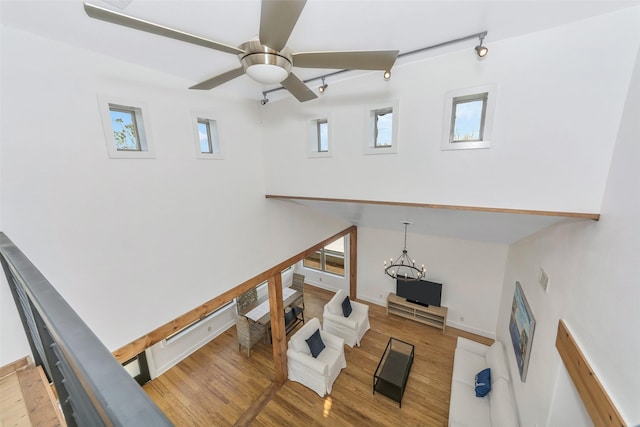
[543, 279]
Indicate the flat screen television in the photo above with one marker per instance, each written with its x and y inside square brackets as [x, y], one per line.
[420, 292]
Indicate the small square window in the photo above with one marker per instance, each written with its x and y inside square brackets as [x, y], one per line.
[468, 118]
[323, 136]
[320, 137]
[207, 141]
[204, 132]
[124, 130]
[382, 130]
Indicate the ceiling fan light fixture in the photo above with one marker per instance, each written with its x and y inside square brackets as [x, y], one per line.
[266, 68]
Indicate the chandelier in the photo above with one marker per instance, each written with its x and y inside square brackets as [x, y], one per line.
[403, 267]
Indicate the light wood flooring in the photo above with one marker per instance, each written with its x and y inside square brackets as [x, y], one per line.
[219, 386]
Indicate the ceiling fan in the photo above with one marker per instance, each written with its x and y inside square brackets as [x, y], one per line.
[265, 59]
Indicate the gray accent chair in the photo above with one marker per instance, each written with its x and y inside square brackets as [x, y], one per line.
[245, 300]
[244, 303]
[249, 333]
[298, 285]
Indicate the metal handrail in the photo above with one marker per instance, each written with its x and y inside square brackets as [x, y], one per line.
[93, 388]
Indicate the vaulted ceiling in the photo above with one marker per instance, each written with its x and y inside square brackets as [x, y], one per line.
[323, 25]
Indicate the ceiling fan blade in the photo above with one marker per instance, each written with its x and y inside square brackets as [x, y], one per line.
[298, 89]
[347, 60]
[149, 27]
[219, 79]
[277, 21]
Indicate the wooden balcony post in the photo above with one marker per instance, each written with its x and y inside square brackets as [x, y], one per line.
[353, 262]
[278, 336]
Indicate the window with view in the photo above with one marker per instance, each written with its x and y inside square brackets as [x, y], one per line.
[323, 135]
[207, 139]
[329, 259]
[468, 118]
[125, 130]
[319, 144]
[204, 132]
[383, 128]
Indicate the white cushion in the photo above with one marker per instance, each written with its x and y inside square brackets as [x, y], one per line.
[335, 304]
[299, 346]
[330, 357]
[497, 362]
[466, 409]
[472, 346]
[502, 408]
[466, 365]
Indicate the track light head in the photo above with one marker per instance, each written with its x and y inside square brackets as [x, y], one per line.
[323, 87]
[481, 51]
[387, 75]
[264, 100]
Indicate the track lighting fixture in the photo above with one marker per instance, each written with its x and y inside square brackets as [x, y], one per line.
[323, 87]
[482, 51]
[264, 100]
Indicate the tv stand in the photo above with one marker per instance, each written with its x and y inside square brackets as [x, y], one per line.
[429, 315]
[416, 302]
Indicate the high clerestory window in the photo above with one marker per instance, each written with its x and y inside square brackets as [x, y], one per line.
[320, 137]
[125, 130]
[207, 137]
[382, 130]
[468, 118]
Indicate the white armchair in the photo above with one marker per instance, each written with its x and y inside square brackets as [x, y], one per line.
[351, 328]
[316, 373]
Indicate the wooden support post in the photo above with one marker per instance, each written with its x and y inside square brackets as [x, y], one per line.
[353, 262]
[278, 335]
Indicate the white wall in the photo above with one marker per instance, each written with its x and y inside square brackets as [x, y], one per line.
[148, 239]
[556, 96]
[593, 269]
[471, 272]
[167, 353]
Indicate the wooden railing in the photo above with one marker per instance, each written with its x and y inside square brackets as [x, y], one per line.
[595, 398]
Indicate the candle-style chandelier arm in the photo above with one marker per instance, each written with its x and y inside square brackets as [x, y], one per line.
[404, 267]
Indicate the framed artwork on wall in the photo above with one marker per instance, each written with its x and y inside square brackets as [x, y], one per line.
[521, 328]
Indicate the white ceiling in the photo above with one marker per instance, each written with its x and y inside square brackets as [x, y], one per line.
[323, 25]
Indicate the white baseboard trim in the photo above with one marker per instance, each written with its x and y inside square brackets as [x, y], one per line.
[461, 326]
[322, 285]
[159, 370]
[376, 301]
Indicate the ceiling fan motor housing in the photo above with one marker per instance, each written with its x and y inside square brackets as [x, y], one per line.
[264, 64]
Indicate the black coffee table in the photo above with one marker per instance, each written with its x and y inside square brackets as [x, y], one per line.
[390, 377]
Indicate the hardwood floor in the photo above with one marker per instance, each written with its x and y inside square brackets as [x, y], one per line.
[219, 386]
